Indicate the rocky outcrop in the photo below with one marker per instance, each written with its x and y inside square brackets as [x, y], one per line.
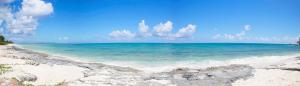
[27, 77]
[214, 76]
[30, 62]
[97, 74]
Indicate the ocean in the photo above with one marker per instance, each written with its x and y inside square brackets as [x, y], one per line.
[161, 55]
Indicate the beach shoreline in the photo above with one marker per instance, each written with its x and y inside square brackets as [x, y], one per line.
[34, 68]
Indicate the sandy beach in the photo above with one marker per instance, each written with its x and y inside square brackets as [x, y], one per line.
[25, 67]
[150, 43]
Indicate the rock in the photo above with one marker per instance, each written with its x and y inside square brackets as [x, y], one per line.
[31, 62]
[27, 77]
[155, 83]
[213, 76]
[159, 76]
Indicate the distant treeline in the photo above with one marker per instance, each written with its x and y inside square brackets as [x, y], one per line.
[3, 41]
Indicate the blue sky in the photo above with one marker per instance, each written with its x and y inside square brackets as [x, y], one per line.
[263, 21]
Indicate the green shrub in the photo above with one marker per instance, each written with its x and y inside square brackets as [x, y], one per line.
[4, 68]
[61, 84]
[21, 83]
[3, 41]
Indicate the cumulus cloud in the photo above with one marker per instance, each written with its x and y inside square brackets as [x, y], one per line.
[5, 14]
[23, 21]
[242, 36]
[186, 31]
[237, 36]
[144, 29]
[22, 25]
[122, 35]
[35, 8]
[161, 30]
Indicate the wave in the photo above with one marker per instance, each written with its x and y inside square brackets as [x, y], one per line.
[255, 61]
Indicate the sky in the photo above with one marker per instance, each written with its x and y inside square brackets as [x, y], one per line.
[162, 21]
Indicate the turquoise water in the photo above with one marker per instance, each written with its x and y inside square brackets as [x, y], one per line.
[163, 53]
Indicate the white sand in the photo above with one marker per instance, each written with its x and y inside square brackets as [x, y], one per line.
[52, 74]
[272, 77]
[46, 74]
[11, 61]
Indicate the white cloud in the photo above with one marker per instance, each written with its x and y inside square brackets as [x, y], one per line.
[265, 39]
[229, 36]
[163, 29]
[23, 22]
[186, 31]
[122, 35]
[217, 36]
[237, 36]
[36, 8]
[5, 14]
[247, 27]
[144, 29]
[279, 39]
[242, 36]
[22, 25]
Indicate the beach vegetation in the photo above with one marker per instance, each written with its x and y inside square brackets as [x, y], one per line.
[63, 83]
[21, 83]
[4, 68]
[3, 41]
[27, 85]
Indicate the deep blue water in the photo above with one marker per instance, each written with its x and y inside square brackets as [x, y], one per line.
[155, 53]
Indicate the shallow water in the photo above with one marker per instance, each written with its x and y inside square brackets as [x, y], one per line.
[158, 54]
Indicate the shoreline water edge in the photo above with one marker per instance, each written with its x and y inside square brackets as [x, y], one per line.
[22, 66]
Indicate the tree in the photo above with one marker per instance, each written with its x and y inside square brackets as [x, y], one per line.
[2, 39]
